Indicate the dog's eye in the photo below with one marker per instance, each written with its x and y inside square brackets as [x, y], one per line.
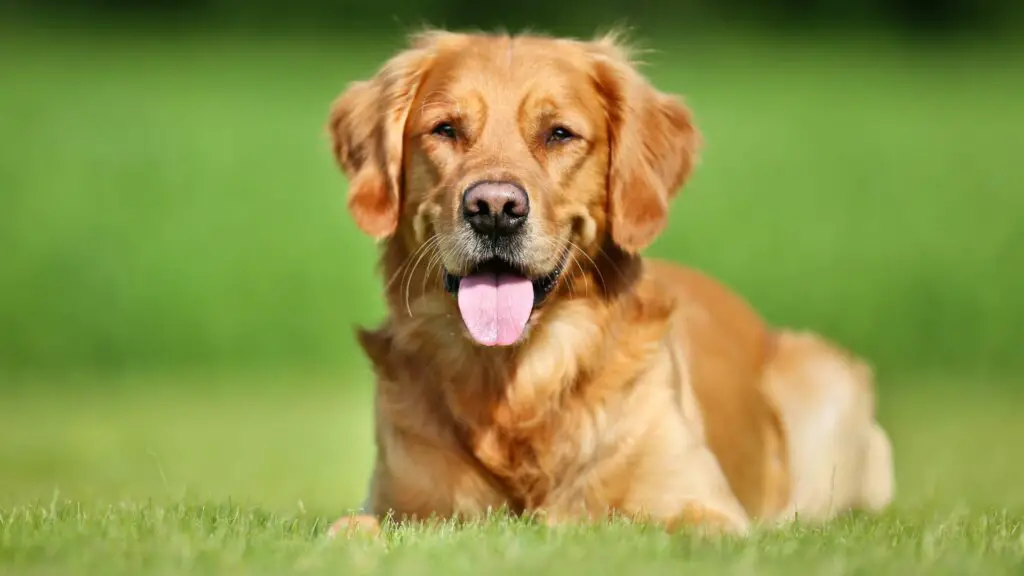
[560, 134]
[445, 130]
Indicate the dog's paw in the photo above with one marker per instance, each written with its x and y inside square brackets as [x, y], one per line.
[709, 521]
[552, 518]
[348, 526]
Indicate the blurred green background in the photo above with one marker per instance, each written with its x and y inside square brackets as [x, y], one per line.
[179, 280]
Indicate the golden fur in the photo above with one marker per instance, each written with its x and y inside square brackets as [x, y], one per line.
[641, 388]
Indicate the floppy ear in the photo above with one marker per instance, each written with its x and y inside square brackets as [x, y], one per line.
[653, 148]
[366, 126]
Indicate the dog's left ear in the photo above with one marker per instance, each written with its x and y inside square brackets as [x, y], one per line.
[653, 144]
[366, 127]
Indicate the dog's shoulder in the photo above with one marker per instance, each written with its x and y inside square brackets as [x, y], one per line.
[725, 344]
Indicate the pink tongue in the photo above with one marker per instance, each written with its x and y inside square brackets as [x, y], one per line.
[495, 307]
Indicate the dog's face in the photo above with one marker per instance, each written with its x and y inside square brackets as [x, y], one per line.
[510, 157]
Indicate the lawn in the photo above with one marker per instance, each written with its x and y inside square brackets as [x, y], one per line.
[212, 478]
[179, 386]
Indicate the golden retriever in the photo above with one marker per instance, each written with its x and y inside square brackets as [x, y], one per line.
[532, 359]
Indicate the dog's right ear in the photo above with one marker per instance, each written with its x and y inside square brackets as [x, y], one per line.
[366, 128]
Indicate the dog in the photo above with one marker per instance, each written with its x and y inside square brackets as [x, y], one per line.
[533, 360]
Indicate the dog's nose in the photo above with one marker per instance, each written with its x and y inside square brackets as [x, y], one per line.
[495, 208]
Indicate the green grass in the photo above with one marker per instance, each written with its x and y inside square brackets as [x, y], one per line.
[168, 206]
[147, 539]
[135, 481]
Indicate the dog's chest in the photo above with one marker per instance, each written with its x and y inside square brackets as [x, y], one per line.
[526, 454]
[517, 463]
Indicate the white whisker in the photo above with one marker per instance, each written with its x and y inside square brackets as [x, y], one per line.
[407, 279]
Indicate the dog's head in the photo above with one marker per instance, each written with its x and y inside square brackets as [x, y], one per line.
[509, 158]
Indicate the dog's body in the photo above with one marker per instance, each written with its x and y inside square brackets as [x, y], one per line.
[628, 386]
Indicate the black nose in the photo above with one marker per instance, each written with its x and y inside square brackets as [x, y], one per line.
[495, 208]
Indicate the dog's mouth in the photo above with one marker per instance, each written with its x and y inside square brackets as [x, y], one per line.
[496, 299]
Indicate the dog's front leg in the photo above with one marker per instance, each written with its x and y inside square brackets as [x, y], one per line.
[670, 478]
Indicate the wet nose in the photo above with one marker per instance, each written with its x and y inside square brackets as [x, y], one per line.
[495, 208]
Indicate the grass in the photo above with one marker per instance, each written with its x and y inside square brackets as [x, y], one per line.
[170, 208]
[228, 540]
[136, 481]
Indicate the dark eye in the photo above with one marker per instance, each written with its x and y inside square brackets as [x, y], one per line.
[445, 130]
[560, 134]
